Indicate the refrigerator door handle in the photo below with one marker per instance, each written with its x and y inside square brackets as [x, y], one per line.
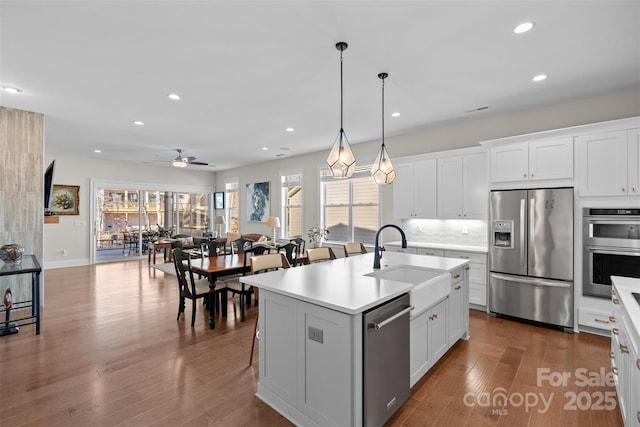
[522, 235]
[532, 214]
[531, 281]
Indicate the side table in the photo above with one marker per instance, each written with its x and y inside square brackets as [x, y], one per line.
[28, 265]
[160, 245]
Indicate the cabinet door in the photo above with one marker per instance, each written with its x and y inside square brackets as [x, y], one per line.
[425, 185]
[509, 162]
[633, 176]
[419, 361]
[602, 160]
[428, 251]
[475, 194]
[438, 335]
[551, 159]
[450, 187]
[403, 191]
[455, 314]
[634, 392]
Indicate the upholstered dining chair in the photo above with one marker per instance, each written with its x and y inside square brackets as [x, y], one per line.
[320, 254]
[188, 287]
[262, 264]
[351, 249]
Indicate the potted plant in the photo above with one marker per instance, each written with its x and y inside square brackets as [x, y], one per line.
[316, 234]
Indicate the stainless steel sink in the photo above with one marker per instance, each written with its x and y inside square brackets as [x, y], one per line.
[430, 285]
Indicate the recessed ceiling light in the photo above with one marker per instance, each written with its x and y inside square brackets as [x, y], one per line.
[11, 89]
[265, 148]
[174, 96]
[97, 151]
[138, 122]
[280, 155]
[289, 129]
[524, 27]
[396, 114]
[539, 77]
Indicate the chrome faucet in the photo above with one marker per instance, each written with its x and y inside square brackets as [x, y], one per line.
[376, 257]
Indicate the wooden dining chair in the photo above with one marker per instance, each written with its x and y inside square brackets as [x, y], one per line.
[351, 249]
[291, 252]
[262, 264]
[236, 287]
[320, 254]
[188, 287]
[239, 246]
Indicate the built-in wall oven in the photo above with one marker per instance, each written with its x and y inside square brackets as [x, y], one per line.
[611, 239]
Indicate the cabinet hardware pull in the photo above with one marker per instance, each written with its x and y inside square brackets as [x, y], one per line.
[615, 331]
[612, 292]
[612, 355]
[638, 415]
[435, 316]
[638, 363]
[616, 301]
[623, 189]
[624, 348]
[457, 287]
[525, 175]
[467, 268]
[431, 317]
[614, 370]
[602, 321]
[456, 276]
[531, 174]
[633, 189]
[612, 319]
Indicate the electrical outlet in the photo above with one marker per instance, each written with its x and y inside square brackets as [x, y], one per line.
[465, 230]
[315, 334]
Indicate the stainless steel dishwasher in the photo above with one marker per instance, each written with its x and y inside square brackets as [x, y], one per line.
[386, 360]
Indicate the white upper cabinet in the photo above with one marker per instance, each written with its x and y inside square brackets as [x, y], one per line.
[462, 186]
[414, 189]
[608, 163]
[532, 161]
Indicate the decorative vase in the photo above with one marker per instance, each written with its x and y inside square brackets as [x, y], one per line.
[316, 244]
[11, 252]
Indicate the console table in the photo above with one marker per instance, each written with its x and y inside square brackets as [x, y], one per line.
[28, 265]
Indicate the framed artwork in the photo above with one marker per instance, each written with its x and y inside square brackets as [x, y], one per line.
[258, 202]
[65, 199]
[218, 200]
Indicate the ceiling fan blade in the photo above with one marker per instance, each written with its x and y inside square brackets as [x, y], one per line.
[199, 163]
[190, 159]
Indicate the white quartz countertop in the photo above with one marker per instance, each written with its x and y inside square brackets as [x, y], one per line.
[443, 246]
[625, 286]
[341, 284]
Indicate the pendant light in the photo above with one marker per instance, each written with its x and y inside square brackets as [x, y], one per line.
[341, 160]
[382, 169]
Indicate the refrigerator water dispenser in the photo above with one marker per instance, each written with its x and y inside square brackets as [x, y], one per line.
[503, 234]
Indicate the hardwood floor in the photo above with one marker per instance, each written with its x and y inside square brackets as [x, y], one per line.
[111, 353]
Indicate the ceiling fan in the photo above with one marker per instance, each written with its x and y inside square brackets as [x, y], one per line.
[182, 162]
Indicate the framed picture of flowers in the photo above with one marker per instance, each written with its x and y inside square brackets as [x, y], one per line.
[65, 199]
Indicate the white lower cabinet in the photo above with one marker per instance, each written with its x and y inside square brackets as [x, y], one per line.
[455, 326]
[477, 272]
[307, 379]
[429, 341]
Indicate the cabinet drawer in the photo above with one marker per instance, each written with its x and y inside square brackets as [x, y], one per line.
[478, 273]
[427, 251]
[595, 319]
[457, 276]
[472, 257]
[399, 249]
[477, 294]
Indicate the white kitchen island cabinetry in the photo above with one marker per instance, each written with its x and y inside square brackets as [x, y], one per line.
[414, 194]
[428, 339]
[625, 348]
[462, 186]
[311, 333]
[608, 163]
[532, 161]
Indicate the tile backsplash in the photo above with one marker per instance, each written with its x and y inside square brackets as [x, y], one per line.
[453, 231]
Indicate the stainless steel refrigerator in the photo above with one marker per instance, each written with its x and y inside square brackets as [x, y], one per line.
[531, 255]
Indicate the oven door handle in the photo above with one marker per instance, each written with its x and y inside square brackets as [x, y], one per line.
[612, 222]
[531, 281]
[624, 252]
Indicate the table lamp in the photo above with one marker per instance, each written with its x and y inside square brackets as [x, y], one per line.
[273, 222]
[219, 221]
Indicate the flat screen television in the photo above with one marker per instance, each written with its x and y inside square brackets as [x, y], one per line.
[48, 187]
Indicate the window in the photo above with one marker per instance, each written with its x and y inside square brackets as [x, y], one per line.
[351, 207]
[291, 199]
[232, 204]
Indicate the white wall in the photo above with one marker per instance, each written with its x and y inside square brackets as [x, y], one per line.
[73, 233]
[437, 138]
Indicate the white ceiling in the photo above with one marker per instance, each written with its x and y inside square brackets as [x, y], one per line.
[248, 70]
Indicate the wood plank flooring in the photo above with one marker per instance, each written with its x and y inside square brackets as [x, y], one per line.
[112, 353]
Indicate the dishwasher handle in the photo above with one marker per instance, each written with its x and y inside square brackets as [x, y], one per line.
[378, 326]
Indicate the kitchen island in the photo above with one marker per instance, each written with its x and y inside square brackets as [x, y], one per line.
[311, 330]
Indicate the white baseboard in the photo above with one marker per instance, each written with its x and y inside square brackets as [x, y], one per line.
[66, 263]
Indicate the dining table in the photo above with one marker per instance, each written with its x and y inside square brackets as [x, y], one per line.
[214, 267]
